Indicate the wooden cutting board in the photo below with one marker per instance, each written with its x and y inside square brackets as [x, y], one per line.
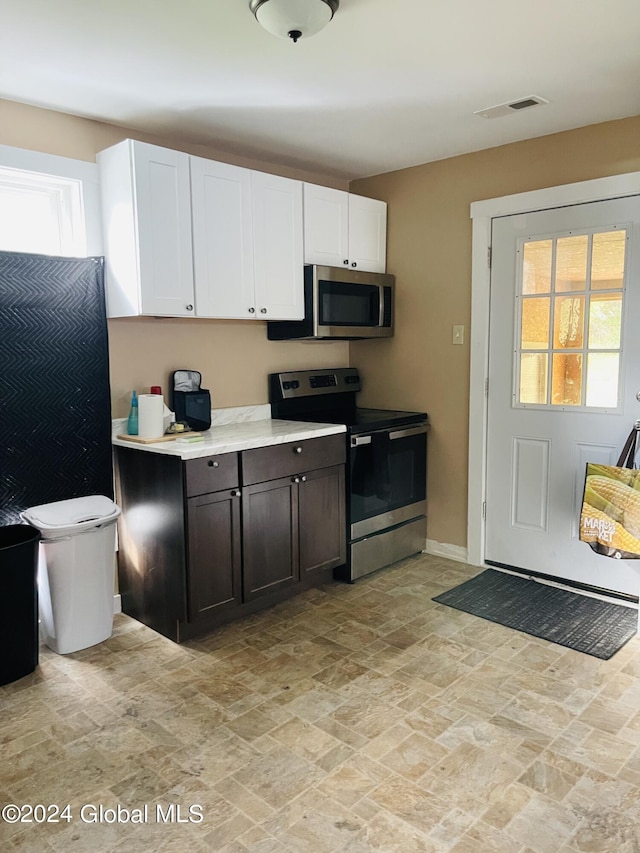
[171, 437]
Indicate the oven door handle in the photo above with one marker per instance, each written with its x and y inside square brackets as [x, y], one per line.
[357, 440]
[405, 433]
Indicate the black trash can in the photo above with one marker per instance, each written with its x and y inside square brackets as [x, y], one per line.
[18, 601]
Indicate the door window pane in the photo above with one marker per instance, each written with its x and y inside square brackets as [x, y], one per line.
[533, 378]
[571, 263]
[568, 323]
[607, 264]
[566, 384]
[602, 378]
[536, 266]
[583, 275]
[535, 323]
[605, 321]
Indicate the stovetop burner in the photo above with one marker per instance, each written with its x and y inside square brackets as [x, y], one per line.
[359, 420]
[329, 396]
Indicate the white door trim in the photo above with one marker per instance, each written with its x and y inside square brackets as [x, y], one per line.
[482, 212]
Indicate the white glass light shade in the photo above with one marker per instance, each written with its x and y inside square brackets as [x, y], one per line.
[293, 18]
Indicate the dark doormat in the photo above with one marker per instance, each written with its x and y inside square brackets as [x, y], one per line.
[585, 624]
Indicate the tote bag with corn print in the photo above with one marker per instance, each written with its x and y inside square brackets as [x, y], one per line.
[610, 517]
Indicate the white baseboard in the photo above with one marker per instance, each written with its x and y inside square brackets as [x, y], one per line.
[117, 603]
[443, 549]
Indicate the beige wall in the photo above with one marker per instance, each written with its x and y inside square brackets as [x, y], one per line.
[233, 357]
[429, 251]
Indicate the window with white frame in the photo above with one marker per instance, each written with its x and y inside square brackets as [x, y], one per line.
[48, 205]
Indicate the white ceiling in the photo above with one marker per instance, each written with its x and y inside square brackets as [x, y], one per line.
[387, 84]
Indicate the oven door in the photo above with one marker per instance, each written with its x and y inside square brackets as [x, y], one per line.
[388, 476]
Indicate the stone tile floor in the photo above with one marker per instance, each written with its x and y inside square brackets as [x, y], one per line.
[350, 719]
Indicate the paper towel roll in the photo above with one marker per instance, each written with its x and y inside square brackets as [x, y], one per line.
[150, 415]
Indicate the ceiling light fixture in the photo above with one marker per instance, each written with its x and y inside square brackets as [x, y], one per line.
[294, 19]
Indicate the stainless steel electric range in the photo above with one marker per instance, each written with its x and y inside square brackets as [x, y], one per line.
[386, 464]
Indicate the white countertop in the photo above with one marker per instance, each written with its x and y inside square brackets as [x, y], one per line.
[229, 437]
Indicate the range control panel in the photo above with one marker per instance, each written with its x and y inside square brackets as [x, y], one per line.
[306, 383]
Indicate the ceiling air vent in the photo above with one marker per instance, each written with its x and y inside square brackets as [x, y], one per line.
[511, 107]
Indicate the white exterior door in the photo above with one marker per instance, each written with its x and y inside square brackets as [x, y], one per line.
[564, 369]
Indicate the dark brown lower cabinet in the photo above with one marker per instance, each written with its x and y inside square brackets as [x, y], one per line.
[214, 553]
[292, 529]
[269, 537]
[208, 540]
[321, 520]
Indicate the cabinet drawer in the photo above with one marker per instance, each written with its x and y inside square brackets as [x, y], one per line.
[281, 460]
[211, 474]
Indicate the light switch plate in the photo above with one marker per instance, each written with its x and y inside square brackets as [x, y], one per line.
[458, 335]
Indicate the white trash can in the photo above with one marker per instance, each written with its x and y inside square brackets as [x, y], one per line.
[76, 571]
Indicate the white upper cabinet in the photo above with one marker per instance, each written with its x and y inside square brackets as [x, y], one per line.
[367, 233]
[146, 206]
[343, 229]
[222, 240]
[247, 243]
[278, 247]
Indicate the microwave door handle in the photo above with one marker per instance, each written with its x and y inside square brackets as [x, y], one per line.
[405, 433]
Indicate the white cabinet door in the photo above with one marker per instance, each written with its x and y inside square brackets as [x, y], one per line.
[326, 226]
[147, 221]
[342, 229]
[277, 245]
[367, 233]
[222, 240]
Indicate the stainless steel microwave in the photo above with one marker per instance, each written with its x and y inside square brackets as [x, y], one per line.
[340, 304]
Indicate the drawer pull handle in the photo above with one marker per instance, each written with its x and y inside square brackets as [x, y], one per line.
[297, 449]
[303, 479]
[295, 479]
[235, 493]
[213, 464]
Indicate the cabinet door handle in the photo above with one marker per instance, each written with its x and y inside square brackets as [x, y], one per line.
[346, 262]
[252, 310]
[263, 310]
[297, 449]
[213, 464]
[189, 307]
[235, 493]
[295, 479]
[354, 264]
[303, 479]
